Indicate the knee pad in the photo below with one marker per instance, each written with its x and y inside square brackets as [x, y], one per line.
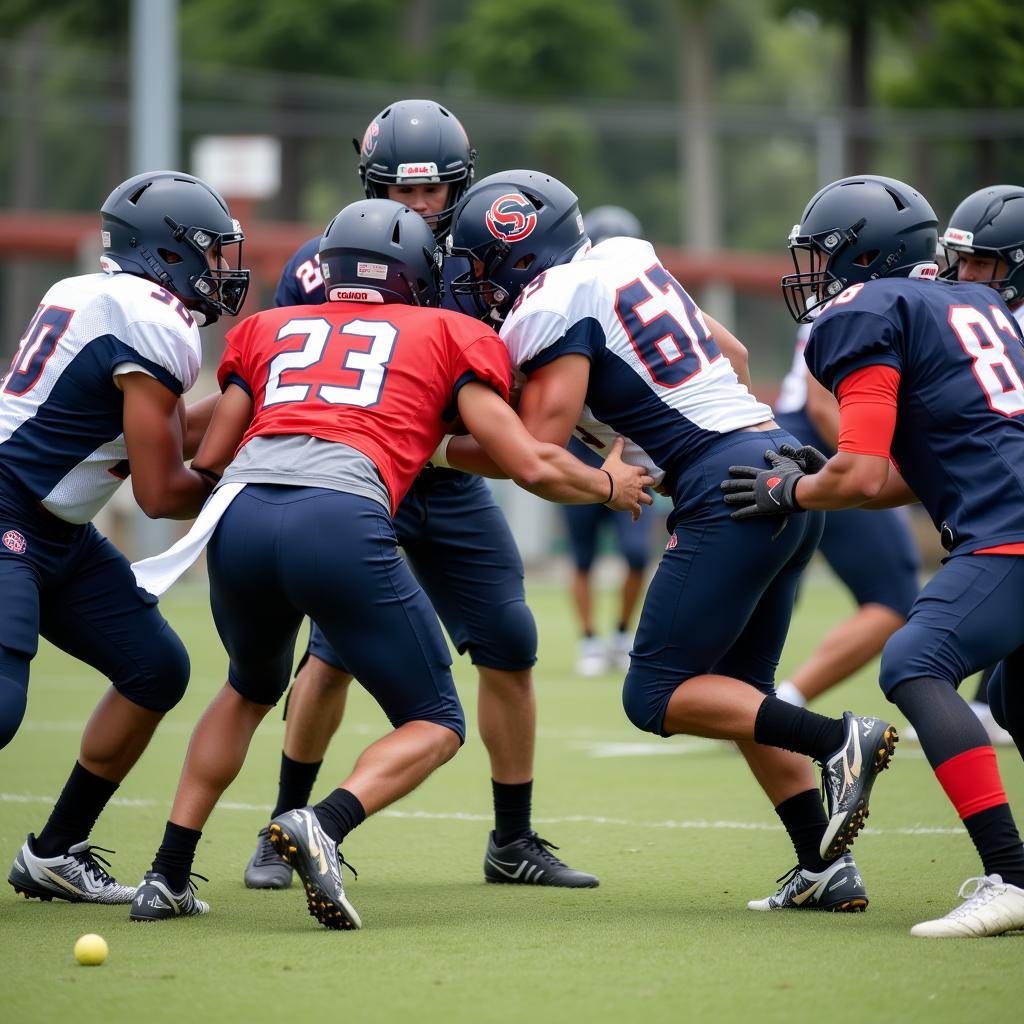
[643, 708]
[997, 698]
[906, 656]
[13, 692]
[161, 683]
[511, 643]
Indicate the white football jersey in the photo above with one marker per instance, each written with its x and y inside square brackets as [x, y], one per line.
[1018, 315]
[793, 393]
[657, 378]
[61, 413]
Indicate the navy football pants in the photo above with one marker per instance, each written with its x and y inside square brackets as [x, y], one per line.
[281, 553]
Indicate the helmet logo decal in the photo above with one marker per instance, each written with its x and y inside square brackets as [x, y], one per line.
[1017, 255]
[511, 217]
[954, 236]
[345, 293]
[423, 169]
[371, 136]
[831, 240]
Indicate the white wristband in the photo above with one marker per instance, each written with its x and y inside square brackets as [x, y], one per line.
[439, 460]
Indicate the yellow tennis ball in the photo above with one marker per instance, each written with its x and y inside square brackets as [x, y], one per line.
[91, 950]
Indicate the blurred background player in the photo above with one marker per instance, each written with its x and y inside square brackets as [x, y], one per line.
[316, 428]
[585, 523]
[96, 385]
[872, 553]
[930, 377]
[609, 341]
[456, 539]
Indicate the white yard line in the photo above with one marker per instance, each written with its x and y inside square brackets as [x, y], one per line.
[697, 824]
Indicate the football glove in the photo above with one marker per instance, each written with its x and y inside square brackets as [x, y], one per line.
[807, 457]
[764, 492]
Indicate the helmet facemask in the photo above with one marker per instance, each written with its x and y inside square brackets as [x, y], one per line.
[221, 286]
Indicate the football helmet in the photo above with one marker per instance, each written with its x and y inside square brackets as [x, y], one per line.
[174, 229]
[990, 223]
[377, 250]
[511, 227]
[611, 222]
[858, 229]
[416, 142]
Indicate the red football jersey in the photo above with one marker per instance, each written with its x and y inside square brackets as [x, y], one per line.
[375, 377]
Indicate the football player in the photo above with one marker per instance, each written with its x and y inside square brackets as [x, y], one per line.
[611, 343]
[873, 554]
[316, 397]
[984, 244]
[456, 539]
[95, 388]
[584, 522]
[930, 379]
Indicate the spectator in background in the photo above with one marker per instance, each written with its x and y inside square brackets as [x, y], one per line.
[584, 523]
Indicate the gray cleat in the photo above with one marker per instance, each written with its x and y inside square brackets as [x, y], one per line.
[265, 869]
[838, 888]
[529, 861]
[156, 901]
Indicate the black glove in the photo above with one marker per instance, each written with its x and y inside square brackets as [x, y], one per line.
[807, 457]
[764, 492]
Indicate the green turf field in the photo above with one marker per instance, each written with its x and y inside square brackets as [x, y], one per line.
[676, 829]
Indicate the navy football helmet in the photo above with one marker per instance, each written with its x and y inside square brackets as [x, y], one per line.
[858, 229]
[377, 250]
[611, 222]
[175, 230]
[511, 227]
[990, 223]
[416, 142]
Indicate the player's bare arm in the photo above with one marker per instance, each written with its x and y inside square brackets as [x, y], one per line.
[848, 480]
[823, 412]
[195, 422]
[227, 427]
[547, 470]
[733, 349]
[164, 487]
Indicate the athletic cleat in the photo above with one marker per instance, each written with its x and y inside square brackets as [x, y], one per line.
[591, 660]
[838, 888]
[847, 777]
[155, 900]
[529, 861]
[265, 869]
[619, 645]
[301, 842]
[992, 907]
[76, 876]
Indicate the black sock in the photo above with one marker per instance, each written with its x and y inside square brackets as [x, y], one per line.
[295, 784]
[339, 813]
[779, 724]
[803, 817]
[998, 843]
[79, 805]
[174, 858]
[511, 810]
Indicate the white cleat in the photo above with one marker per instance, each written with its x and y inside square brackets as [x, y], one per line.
[992, 907]
[620, 643]
[77, 876]
[592, 659]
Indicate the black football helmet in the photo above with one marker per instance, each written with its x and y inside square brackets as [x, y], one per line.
[377, 250]
[990, 223]
[416, 142]
[855, 230]
[174, 229]
[515, 225]
[611, 222]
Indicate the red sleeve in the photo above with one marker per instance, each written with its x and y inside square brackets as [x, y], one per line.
[481, 357]
[232, 366]
[867, 410]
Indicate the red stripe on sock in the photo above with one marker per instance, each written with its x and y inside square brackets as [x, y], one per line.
[971, 781]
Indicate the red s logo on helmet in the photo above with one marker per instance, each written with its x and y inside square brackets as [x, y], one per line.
[511, 217]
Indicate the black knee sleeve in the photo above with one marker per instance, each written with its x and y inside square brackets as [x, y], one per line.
[945, 725]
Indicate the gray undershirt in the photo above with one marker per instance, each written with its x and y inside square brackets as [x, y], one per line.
[298, 460]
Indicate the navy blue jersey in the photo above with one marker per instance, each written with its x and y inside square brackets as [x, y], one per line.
[302, 284]
[959, 437]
